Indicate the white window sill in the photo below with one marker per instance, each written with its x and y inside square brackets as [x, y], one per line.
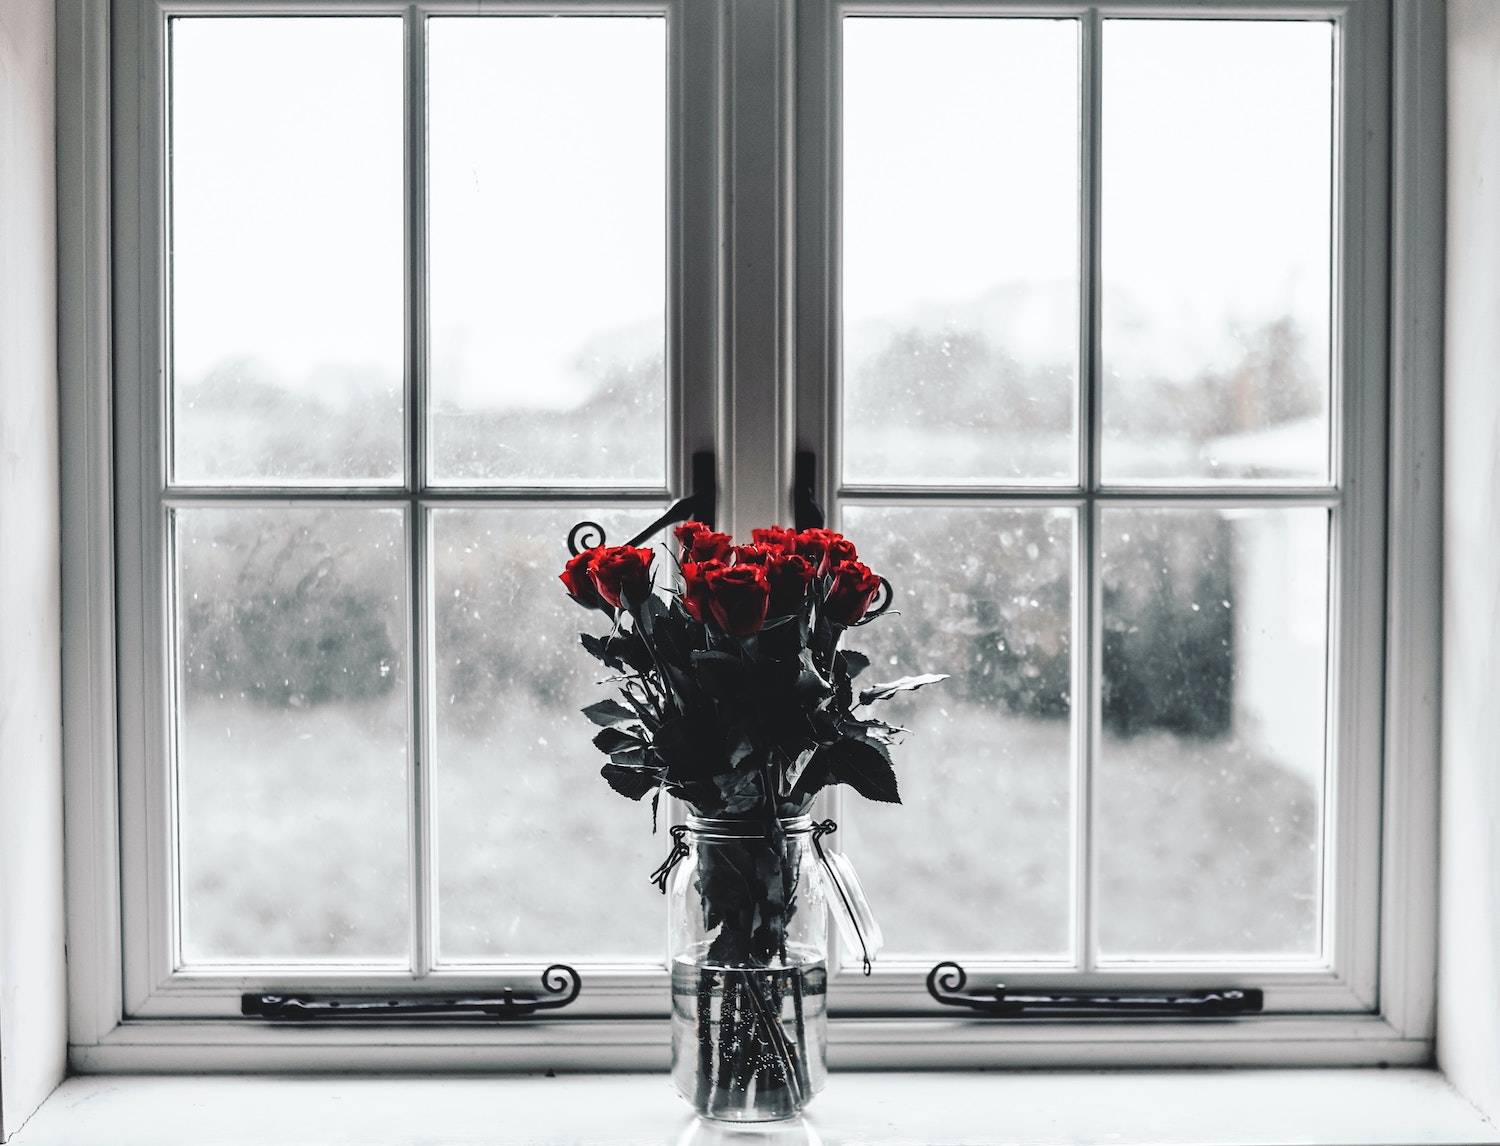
[1162, 1108]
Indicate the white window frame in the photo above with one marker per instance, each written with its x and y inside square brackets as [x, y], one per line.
[755, 306]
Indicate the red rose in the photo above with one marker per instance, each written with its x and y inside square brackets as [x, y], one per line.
[850, 590]
[687, 531]
[751, 554]
[622, 574]
[789, 577]
[580, 586]
[738, 598]
[700, 543]
[777, 538]
[825, 548]
[695, 587]
[840, 550]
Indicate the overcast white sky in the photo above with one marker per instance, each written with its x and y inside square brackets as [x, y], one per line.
[961, 174]
[547, 186]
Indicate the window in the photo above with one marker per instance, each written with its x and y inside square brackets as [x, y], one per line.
[1080, 309]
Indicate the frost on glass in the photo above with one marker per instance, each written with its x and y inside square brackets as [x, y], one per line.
[537, 858]
[978, 857]
[1217, 248]
[1210, 782]
[291, 734]
[547, 249]
[286, 250]
[960, 250]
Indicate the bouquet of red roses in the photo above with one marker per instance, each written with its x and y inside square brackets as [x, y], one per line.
[735, 695]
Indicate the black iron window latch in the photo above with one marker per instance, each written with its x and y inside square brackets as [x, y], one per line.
[560, 986]
[700, 505]
[946, 982]
[806, 512]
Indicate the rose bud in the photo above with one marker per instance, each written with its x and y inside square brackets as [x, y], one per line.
[700, 543]
[575, 577]
[686, 532]
[850, 590]
[738, 598]
[751, 554]
[695, 587]
[622, 574]
[777, 538]
[789, 577]
[841, 549]
[825, 548]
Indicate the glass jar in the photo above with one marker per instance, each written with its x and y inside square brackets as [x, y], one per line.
[749, 941]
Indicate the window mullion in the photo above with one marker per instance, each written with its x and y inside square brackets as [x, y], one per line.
[1088, 667]
[420, 837]
[758, 228]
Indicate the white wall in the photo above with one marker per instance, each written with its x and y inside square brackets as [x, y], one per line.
[1469, 939]
[33, 1043]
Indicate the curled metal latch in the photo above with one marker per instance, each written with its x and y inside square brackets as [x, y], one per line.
[560, 983]
[698, 506]
[946, 982]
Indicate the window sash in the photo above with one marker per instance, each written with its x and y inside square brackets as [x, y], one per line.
[1347, 980]
[154, 984]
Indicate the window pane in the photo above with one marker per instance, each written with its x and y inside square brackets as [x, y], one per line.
[978, 858]
[1217, 249]
[1210, 783]
[291, 734]
[960, 250]
[286, 193]
[537, 857]
[547, 216]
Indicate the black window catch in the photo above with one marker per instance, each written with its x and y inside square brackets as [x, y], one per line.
[806, 512]
[700, 505]
[945, 983]
[560, 984]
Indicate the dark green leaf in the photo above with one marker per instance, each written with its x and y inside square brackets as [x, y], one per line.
[631, 782]
[740, 791]
[652, 609]
[879, 730]
[810, 682]
[904, 684]
[798, 767]
[608, 713]
[631, 648]
[719, 674]
[854, 662]
[598, 647]
[866, 768]
[740, 746]
[631, 757]
[613, 740]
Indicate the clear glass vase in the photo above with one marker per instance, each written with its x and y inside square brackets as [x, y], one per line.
[749, 928]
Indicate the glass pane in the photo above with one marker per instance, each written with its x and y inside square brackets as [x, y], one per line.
[978, 858]
[286, 192]
[1210, 782]
[960, 250]
[1217, 249]
[547, 209]
[291, 734]
[537, 857]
